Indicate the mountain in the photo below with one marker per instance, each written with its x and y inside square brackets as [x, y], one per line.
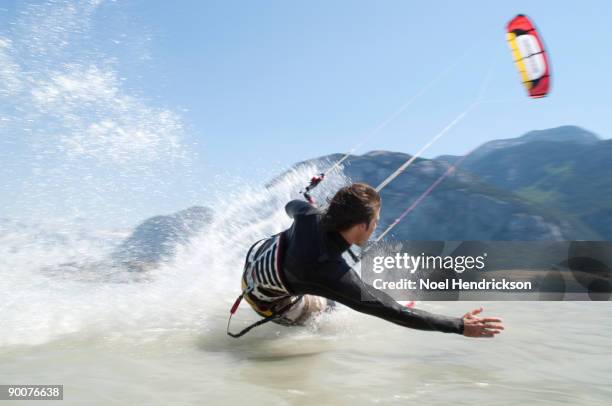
[566, 170]
[544, 185]
[564, 134]
[463, 207]
[156, 238]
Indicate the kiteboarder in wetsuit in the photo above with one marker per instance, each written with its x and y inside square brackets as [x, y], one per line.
[300, 272]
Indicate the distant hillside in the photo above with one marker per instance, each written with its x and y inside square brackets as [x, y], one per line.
[156, 238]
[545, 185]
[566, 170]
[566, 133]
[463, 207]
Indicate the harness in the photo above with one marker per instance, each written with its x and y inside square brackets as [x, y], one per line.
[263, 285]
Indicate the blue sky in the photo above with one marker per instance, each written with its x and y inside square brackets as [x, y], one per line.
[260, 85]
[283, 81]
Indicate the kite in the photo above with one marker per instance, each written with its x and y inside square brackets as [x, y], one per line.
[529, 55]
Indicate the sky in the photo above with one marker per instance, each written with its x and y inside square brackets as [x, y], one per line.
[292, 80]
[201, 96]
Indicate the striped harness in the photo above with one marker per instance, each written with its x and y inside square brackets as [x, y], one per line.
[262, 280]
[263, 285]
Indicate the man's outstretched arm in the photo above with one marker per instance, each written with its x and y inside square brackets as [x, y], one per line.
[342, 284]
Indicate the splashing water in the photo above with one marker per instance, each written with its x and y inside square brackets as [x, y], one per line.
[43, 301]
[76, 140]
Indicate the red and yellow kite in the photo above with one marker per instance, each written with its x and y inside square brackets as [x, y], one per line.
[529, 56]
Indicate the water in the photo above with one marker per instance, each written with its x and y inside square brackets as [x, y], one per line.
[540, 359]
[111, 337]
[68, 126]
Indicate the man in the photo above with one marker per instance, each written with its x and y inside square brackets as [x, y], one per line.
[300, 272]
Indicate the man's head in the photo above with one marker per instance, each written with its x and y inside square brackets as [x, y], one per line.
[353, 212]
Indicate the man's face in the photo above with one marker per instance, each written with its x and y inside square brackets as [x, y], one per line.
[367, 232]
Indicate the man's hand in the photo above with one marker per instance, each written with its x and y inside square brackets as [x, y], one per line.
[474, 326]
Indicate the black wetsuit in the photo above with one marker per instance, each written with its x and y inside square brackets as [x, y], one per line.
[312, 264]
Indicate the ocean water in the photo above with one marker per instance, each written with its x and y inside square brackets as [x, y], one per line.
[111, 336]
[550, 354]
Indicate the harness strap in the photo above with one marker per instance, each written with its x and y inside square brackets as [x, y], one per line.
[273, 316]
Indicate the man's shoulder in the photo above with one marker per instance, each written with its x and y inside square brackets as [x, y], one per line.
[297, 208]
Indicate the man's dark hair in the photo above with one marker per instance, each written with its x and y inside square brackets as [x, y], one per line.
[351, 205]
